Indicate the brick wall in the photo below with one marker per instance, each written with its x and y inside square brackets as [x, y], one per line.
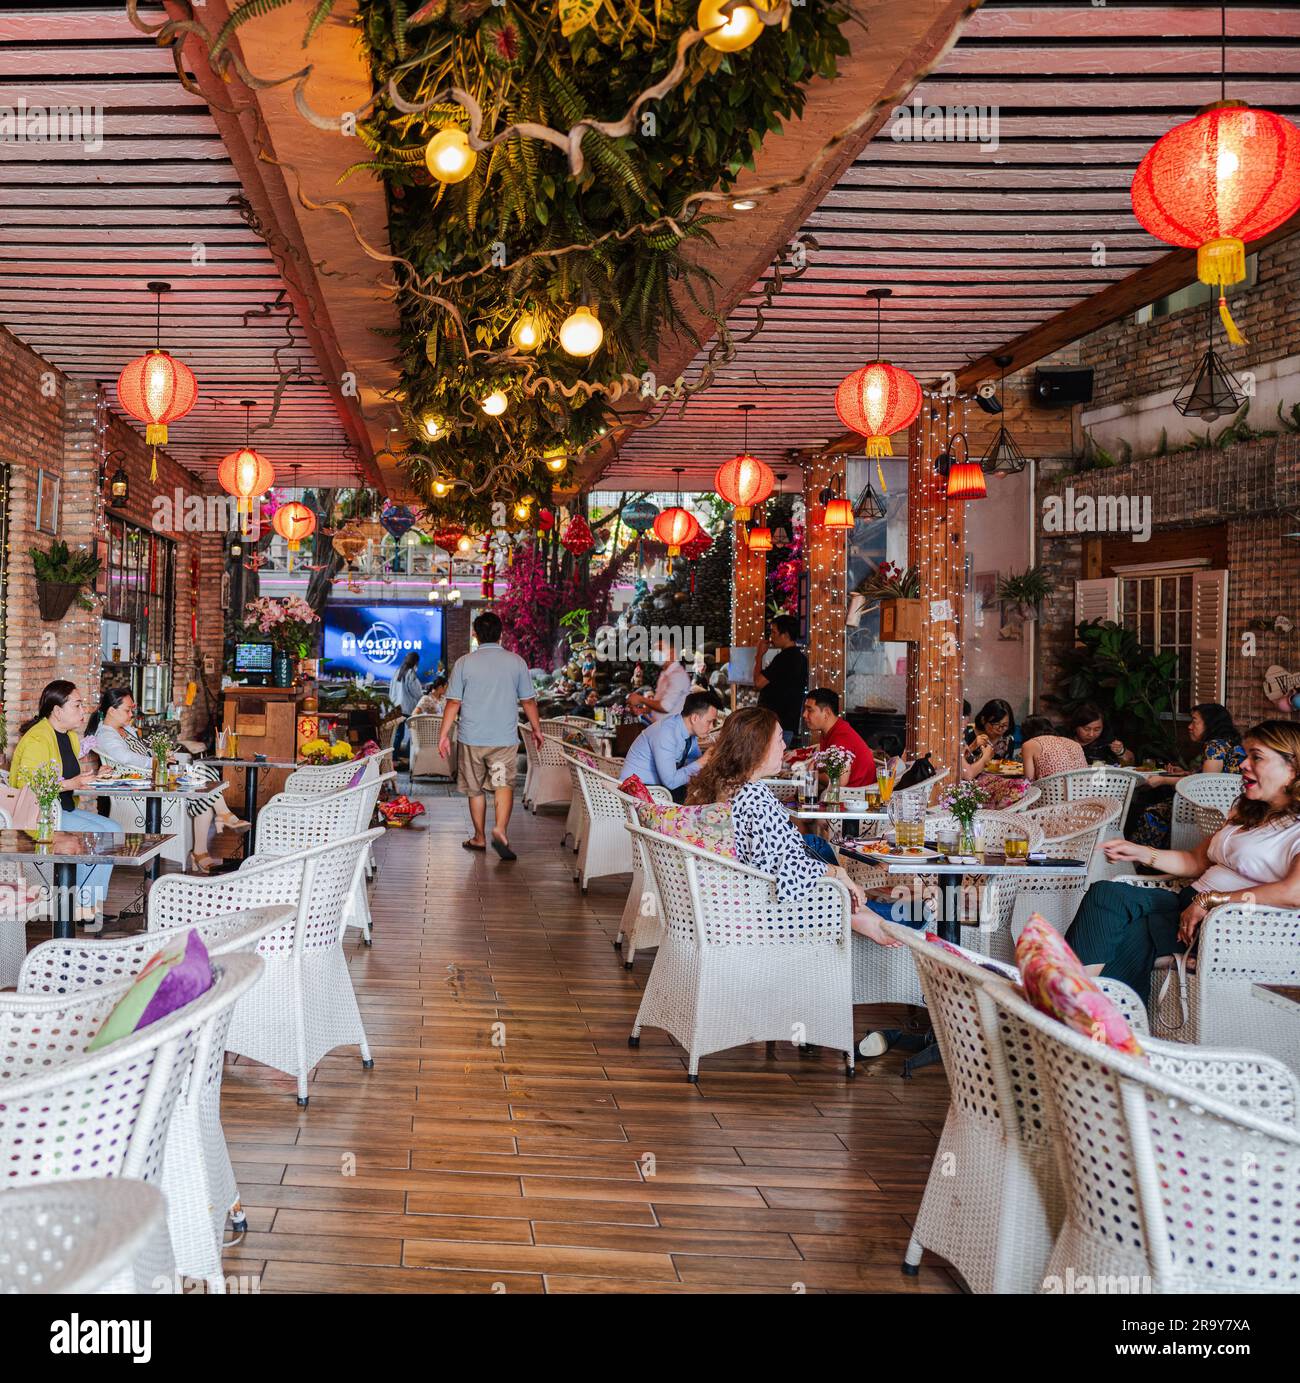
[48, 422]
[1131, 360]
[1252, 488]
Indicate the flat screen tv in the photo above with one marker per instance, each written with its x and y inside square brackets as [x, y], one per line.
[373, 639]
[253, 658]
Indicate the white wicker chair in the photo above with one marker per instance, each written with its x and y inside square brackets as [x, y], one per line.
[1181, 1172]
[305, 1007]
[737, 965]
[1098, 780]
[604, 845]
[1071, 831]
[426, 758]
[548, 779]
[147, 1106]
[72, 1238]
[287, 824]
[1030, 798]
[641, 927]
[312, 780]
[1202, 802]
[993, 1202]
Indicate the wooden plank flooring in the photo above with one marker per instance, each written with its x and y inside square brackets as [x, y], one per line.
[508, 1139]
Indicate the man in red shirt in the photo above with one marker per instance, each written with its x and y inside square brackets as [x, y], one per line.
[821, 714]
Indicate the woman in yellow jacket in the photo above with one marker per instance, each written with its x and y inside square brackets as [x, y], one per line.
[51, 737]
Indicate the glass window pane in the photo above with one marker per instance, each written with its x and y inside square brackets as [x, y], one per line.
[1146, 629]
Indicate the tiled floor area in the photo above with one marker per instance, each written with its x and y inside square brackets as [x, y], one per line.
[508, 1139]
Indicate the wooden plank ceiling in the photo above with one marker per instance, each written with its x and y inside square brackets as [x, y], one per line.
[978, 245]
[81, 233]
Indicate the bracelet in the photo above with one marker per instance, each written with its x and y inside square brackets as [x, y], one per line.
[1206, 901]
[1151, 859]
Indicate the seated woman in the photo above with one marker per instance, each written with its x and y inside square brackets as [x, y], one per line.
[1088, 728]
[750, 746]
[50, 737]
[1216, 742]
[1120, 929]
[1045, 752]
[116, 743]
[434, 701]
[988, 737]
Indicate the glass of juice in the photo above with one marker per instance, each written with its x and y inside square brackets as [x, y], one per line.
[947, 838]
[1015, 844]
[885, 782]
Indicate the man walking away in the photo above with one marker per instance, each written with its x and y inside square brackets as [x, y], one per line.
[784, 681]
[489, 686]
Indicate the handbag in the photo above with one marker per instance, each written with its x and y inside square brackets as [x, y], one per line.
[1172, 1008]
[19, 804]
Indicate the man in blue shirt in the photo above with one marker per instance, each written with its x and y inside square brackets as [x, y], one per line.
[667, 753]
[488, 687]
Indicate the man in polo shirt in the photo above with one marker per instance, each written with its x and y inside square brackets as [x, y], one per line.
[821, 714]
[488, 687]
[670, 690]
[667, 753]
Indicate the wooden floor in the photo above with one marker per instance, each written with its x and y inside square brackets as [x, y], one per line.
[508, 1139]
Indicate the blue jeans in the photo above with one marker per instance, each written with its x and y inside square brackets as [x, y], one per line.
[92, 879]
[400, 736]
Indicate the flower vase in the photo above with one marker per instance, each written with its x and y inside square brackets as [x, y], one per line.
[158, 777]
[969, 842]
[45, 821]
[831, 799]
[282, 669]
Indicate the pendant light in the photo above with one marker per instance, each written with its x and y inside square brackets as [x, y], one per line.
[581, 332]
[1229, 175]
[156, 389]
[879, 399]
[448, 155]
[729, 33]
[870, 506]
[294, 521]
[245, 473]
[527, 333]
[1003, 456]
[675, 526]
[1212, 391]
[744, 481]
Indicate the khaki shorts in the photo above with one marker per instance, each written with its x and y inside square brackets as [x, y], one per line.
[483, 766]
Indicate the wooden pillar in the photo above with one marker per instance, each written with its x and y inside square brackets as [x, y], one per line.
[826, 550]
[748, 591]
[936, 546]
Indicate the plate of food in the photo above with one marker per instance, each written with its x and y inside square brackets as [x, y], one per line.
[1010, 769]
[887, 850]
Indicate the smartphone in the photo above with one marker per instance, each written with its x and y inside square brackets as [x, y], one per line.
[970, 734]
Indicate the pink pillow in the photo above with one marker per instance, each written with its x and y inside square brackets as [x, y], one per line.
[1054, 981]
[709, 826]
[634, 787]
[584, 756]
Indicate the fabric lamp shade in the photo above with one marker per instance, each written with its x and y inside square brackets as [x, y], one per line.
[839, 514]
[743, 482]
[966, 481]
[675, 527]
[877, 401]
[244, 474]
[156, 389]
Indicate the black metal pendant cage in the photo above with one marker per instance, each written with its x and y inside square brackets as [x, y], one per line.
[1003, 456]
[1212, 392]
[869, 506]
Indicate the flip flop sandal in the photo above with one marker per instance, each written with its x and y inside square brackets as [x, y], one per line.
[469, 845]
[503, 849]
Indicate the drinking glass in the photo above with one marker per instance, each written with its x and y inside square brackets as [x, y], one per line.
[947, 838]
[1016, 845]
[885, 782]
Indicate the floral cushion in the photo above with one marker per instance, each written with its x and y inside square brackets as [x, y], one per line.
[1055, 982]
[584, 756]
[709, 827]
[634, 787]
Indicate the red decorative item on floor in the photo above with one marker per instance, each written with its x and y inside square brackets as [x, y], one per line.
[400, 811]
[577, 536]
[1229, 175]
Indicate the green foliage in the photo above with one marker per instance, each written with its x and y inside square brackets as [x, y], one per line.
[633, 269]
[1135, 689]
[44, 783]
[1029, 587]
[61, 566]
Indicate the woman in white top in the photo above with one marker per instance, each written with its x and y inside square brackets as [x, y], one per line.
[110, 735]
[1254, 858]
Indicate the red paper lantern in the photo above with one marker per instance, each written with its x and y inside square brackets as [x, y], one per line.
[577, 536]
[245, 473]
[697, 546]
[1229, 175]
[545, 520]
[878, 400]
[966, 481]
[743, 482]
[675, 527]
[294, 522]
[156, 389]
[838, 514]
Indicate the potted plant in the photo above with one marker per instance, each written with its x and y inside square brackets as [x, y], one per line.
[897, 591]
[44, 783]
[964, 801]
[60, 576]
[835, 763]
[1025, 590]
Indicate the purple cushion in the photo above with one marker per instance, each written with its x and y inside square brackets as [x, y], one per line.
[355, 780]
[172, 978]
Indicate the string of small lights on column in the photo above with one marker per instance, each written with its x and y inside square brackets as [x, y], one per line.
[827, 574]
[94, 645]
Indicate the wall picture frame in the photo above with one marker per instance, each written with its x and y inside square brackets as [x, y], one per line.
[47, 502]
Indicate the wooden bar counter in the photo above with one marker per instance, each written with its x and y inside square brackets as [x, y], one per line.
[265, 719]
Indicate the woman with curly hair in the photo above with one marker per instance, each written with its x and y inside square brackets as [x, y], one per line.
[1216, 742]
[1254, 857]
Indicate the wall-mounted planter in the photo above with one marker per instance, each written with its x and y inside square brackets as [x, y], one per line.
[54, 597]
[900, 621]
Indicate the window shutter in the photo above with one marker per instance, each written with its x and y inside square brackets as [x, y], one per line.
[1097, 599]
[1209, 637]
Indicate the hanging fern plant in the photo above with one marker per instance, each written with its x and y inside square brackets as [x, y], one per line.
[499, 242]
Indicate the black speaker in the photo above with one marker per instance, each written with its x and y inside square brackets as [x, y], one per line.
[1059, 388]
